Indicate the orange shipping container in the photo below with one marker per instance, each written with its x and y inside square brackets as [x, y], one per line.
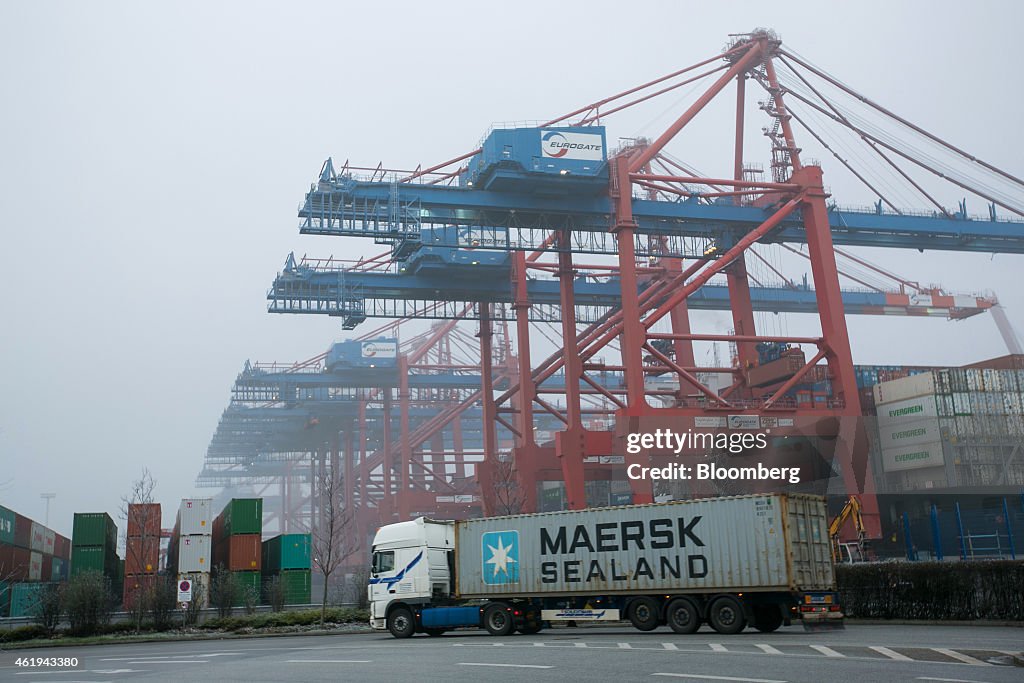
[142, 555]
[136, 586]
[144, 519]
[241, 553]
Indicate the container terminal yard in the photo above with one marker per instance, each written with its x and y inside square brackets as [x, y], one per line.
[529, 340]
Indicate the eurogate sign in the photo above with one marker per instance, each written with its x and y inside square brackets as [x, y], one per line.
[557, 144]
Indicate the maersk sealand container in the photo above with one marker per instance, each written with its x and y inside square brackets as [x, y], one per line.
[760, 560]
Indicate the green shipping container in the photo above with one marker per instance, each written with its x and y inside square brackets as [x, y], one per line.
[242, 516]
[297, 586]
[94, 528]
[25, 597]
[287, 551]
[6, 525]
[94, 558]
[244, 583]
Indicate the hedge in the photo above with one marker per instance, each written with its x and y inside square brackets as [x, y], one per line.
[962, 591]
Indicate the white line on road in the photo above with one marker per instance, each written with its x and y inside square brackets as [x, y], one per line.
[222, 654]
[948, 680]
[625, 646]
[959, 656]
[169, 661]
[670, 646]
[510, 666]
[717, 647]
[580, 645]
[768, 649]
[705, 677]
[330, 661]
[125, 659]
[38, 673]
[889, 653]
[827, 651]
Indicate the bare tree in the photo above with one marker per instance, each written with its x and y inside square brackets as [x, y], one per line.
[508, 492]
[140, 516]
[333, 537]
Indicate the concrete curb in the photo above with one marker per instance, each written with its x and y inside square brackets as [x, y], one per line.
[34, 645]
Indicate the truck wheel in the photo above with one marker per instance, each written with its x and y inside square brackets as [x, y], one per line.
[531, 627]
[401, 623]
[767, 618]
[726, 615]
[682, 616]
[643, 614]
[434, 631]
[498, 620]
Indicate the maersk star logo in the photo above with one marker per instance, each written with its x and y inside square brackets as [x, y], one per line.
[500, 553]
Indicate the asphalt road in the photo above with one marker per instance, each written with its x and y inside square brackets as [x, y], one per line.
[861, 653]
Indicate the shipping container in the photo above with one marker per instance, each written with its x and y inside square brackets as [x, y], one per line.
[94, 558]
[240, 552]
[94, 529]
[142, 554]
[907, 387]
[135, 586]
[247, 588]
[35, 566]
[242, 516]
[918, 456]
[25, 598]
[200, 586]
[909, 433]
[22, 531]
[5, 598]
[296, 584]
[58, 569]
[49, 541]
[14, 562]
[194, 516]
[287, 551]
[62, 547]
[144, 519]
[7, 518]
[194, 554]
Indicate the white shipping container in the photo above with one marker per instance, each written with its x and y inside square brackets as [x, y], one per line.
[49, 539]
[913, 457]
[904, 388]
[194, 516]
[194, 553]
[35, 566]
[36, 538]
[908, 410]
[758, 542]
[896, 435]
[200, 586]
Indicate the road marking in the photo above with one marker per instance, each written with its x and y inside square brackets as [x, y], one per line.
[125, 659]
[717, 647]
[625, 646]
[330, 661]
[580, 645]
[948, 680]
[889, 653]
[510, 666]
[222, 654]
[169, 661]
[705, 677]
[827, 651]
[38, 673]
[959, 656]
[669, 646]
[768, 649]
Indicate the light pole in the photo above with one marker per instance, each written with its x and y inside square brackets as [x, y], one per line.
[48, 497]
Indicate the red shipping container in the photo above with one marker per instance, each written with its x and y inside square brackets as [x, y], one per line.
[62, 547]
[47, 571]
[135, 586]
[22, 531]
[243, 552]
[14, 563]
[142, 555]
[144, 519]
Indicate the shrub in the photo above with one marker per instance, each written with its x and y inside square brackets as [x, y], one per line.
[163, 603]
[88, 602]
[49, 609]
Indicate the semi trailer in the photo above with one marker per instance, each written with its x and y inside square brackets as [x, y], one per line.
[757, 560]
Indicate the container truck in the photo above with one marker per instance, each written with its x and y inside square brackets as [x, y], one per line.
[759, 560]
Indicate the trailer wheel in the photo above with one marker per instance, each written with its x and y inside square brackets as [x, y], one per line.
[682, 616]
[530, 627]
[767, 618]
[643, 614]
[498, 620]
[401, 622]
[434, 631]
[726, 615]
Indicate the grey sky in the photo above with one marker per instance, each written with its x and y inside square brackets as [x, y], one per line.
[153, 156]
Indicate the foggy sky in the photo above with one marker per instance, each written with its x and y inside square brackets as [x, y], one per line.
[153, 156]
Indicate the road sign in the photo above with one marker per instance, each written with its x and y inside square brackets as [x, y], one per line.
[184, 591]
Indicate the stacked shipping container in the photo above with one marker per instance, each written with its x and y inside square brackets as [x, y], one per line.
[29, 553]
[288, 557]
[142, 550]
[237, 532]
[190, 549]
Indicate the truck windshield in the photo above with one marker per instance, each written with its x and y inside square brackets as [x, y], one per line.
[383, 561]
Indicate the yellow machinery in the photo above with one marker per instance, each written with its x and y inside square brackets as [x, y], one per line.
[852, 551]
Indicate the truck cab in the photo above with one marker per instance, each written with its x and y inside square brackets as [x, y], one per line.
[411, 565]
